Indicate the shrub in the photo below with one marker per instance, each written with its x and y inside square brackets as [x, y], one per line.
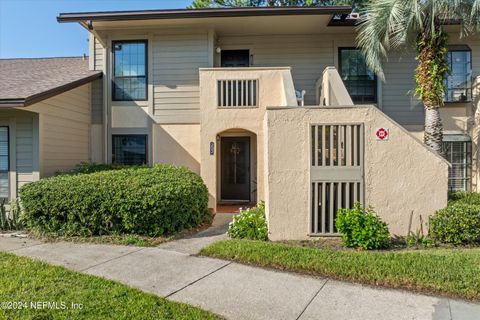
[458, 223]
[464, 197]
[361, 227]
[10, 220]
[91, 167]
[144, 201]
[250, 224]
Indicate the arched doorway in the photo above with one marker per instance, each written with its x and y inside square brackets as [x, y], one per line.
[236, 165]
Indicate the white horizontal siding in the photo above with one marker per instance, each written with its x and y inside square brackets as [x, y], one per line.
[175, 63]
[97, 101]
[98, 55]
[25, 150]
[308, 55]
[398, 100]
[64, 130]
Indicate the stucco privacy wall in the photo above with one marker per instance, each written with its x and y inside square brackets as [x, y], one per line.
[401, 175]
[275, 88]
[64, 130]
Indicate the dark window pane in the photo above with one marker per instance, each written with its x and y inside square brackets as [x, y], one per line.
[130, 88]
[361, 83]
[458, 84]
[129, 149]
[130, 74]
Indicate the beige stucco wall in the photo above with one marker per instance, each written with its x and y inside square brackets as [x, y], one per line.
[178, 144]
[401, 175]
[275, 88]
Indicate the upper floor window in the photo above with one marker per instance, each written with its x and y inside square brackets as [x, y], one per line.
[130, 70]
[361, 83]
[458, 84]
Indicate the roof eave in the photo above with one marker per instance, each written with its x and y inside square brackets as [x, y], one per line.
[12, 103]
[25, 102]
[200, 13]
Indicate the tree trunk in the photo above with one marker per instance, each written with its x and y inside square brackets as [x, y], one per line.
[433, 135]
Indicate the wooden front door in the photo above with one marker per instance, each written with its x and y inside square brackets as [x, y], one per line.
[235, 168]
[235, 58]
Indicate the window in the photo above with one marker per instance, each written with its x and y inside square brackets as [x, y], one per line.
[457, 149]
[458, 84]
[129, 149]
[4, 163]
[361, 83]
[129, 70]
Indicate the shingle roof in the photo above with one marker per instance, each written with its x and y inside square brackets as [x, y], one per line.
[27, 81]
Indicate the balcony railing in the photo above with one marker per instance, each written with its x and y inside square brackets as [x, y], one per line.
[246, 88]
[237, 93]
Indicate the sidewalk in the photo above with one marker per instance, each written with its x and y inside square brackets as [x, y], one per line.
[237, 291]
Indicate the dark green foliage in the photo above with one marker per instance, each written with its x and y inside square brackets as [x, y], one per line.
[458, 223]
[90, 167]
[250, 224]
[464, 197]
[361, 227]
[145, 201]
[358, 5]
[10, 221]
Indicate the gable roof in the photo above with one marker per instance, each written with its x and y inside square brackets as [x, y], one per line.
[27, 81]
[200, 13]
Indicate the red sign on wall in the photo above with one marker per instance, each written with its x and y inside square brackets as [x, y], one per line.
[382, 134]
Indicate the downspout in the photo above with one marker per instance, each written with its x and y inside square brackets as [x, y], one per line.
[88, 25]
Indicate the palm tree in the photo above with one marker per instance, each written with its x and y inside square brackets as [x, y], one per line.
[392, 24]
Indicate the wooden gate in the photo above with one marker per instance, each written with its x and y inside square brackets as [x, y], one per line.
[336, 173]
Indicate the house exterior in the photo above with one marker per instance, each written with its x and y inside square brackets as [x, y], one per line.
[220, 91]
[45, 116]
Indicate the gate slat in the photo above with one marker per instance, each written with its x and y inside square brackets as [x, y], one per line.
[332, 199]
[343, 146]
[315, 217]
[324, 187]
[316, 146]
[331, 146]
[323, 146]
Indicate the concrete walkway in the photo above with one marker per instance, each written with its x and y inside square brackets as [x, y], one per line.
[236, 291]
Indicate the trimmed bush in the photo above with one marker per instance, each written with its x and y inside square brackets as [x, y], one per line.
[145, 201]
[91, 167]
[250, 224]
[361, 227]
[464, 197]
[459, 223]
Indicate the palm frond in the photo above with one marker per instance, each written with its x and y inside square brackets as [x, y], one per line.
[388, 25]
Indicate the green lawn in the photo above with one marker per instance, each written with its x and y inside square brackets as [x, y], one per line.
[30, 281]
[450, 272]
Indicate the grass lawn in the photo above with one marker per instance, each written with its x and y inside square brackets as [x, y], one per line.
[26, 280]
[449, 272]
[120, 239]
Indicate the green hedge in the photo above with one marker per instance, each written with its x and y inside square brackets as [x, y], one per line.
[464, 197]
[146, 201]
[91, 167]
[458, 223]
[361, 228]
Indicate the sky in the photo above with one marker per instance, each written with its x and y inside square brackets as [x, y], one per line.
[29, 29]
